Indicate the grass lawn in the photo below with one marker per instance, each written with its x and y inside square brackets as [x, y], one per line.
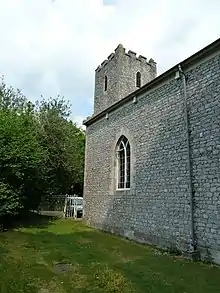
[66, 256]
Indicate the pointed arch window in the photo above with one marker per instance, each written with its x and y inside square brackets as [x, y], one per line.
[138, 79]
[123, 163]
[106, 83]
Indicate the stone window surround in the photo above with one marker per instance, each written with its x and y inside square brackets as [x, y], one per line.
[123, 163]
[138, 79]
[114, 171]
[106, 83]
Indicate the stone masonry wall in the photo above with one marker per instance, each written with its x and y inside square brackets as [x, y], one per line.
[156, 208]
[204, 114]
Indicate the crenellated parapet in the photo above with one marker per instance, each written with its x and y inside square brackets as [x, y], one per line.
[120, 50]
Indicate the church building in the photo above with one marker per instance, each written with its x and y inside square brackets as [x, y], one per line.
[152, 162]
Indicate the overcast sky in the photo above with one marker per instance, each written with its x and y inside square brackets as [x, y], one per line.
[52, 47]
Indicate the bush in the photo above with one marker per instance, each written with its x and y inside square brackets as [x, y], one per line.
[9, 201]
[41, 152]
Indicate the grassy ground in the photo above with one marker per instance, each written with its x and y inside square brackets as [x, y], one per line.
[66, 256]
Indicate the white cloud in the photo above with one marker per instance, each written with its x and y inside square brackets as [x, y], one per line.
[52, 47]
[79, 121]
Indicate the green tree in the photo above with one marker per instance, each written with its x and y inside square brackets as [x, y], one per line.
[64, 144]
[21, 155]
[41, 151]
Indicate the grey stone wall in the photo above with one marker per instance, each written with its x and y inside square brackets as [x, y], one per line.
[204, 114]
[120, 69]
[156, 208]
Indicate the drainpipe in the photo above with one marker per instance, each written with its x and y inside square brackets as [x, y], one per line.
[192, 247]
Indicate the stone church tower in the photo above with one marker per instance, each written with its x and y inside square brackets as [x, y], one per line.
[118, 76]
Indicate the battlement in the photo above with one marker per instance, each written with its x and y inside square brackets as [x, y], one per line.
[120, 50]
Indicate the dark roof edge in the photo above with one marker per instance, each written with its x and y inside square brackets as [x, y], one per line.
[185, 64]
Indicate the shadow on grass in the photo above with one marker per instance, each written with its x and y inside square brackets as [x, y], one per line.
[99, 263]
[31, 219]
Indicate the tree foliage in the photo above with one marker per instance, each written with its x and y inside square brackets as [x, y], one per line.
[41, 151]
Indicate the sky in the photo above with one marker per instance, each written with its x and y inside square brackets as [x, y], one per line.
[51, 47]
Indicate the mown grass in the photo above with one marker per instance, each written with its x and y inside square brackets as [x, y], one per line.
[31, 261]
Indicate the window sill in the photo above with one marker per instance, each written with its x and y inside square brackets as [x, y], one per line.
[123, 189]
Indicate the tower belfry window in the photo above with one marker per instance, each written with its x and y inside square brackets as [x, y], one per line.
[138, 79]
[106, 83]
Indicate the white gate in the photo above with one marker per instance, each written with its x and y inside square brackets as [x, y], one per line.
[73, 205]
